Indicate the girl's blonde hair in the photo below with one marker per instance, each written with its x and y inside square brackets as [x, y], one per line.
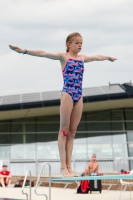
[70, 38]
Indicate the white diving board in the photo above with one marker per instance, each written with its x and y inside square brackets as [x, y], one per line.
[104, 177]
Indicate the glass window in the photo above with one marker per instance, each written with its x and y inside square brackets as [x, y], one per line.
[99, 138]
[54, 118]
[82, 126]
[129, 118]
[129, 113]
[99, 126]
[80, 136]
[5, 138]
[23, 151]
[130, 136]
[17, 138]
[47, 137]
[129, 125]
[5, 151]
[101, 150]
[17, 151]
[5, 127]
[84, 116]
[98, 121]
[130, 148]
[49, 123]
[47, 150]
[30, 128]
[117, 120]
[17, 126]
[79, 149]
[120, 150]
[48, 127]
[30, 125]
[29, 151]
[99, 116]
[119, 138]
[30, 138]
[100, 144]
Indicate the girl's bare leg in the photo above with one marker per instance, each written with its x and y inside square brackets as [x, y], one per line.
[74, 121]
[65, 113]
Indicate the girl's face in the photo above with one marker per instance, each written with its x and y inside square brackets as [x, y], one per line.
[76, 45]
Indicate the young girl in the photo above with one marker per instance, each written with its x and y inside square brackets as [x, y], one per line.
[72, 65]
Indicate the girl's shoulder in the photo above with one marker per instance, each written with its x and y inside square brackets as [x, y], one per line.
[81, 56]
[64, 56]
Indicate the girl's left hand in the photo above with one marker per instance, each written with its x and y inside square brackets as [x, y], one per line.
[112, 59]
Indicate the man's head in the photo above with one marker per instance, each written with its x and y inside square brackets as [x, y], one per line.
[4, 167]
[93, 157]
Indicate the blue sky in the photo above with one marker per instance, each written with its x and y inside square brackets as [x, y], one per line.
[106, 27]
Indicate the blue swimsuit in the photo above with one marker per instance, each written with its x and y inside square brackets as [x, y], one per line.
[73, 76]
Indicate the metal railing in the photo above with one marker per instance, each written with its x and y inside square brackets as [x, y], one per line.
[18, 167]
[39, 182]
[106, 166]
[125, 163]
[28, 172]
[55, 167]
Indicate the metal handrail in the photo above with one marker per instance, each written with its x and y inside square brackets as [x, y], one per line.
[38, 180]
[124, 159]
[24, 185]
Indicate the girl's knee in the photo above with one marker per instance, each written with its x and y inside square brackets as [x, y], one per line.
[72, 133]
[64, 131]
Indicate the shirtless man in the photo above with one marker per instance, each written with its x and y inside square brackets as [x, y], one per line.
[92, 166]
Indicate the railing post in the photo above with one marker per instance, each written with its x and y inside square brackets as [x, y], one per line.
[36, 166]
[37, 183]
[24, 185]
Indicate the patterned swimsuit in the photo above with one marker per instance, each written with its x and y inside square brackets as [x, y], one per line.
[73, 76]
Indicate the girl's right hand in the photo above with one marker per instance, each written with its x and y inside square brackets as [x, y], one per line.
[17, 49]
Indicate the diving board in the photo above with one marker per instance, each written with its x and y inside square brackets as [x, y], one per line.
[67, 179]
[9, 199]
[104, 177]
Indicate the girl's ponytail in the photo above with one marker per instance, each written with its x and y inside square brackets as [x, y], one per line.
[67, 50]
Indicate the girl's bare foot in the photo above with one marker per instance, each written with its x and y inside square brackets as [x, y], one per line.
[65, 172]
[71, 172]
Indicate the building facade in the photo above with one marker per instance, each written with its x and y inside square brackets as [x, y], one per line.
[29, 124]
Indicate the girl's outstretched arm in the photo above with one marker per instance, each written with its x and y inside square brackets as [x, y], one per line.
[98, 58]
[39, 53]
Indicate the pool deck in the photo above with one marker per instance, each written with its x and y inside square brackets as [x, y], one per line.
[63, 194]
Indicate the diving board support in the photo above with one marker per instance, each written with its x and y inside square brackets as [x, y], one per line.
[109, 187]
[28, 172]
[39, 182]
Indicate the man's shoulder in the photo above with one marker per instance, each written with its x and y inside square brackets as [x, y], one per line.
[92, 162]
